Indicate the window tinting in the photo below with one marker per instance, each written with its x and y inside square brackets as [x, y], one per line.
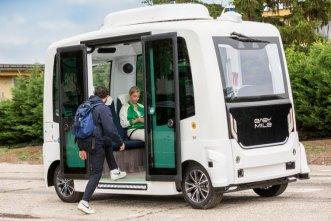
[56, 112]
[140, 77]
[186, 94]
[72, 82]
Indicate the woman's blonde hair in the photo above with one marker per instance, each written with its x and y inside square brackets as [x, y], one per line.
[134, 89]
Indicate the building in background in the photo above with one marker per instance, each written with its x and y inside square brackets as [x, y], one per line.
[8, 74]
[284, 10]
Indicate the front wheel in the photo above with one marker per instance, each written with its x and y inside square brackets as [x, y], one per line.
[270, 191]
[197, 188]
[65, 188]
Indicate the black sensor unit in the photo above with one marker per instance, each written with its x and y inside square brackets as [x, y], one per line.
[106, 50]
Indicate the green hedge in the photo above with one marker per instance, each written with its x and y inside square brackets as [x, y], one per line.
[21, 118]
[310, 75]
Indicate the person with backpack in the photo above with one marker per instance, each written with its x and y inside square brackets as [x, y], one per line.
[97, 141]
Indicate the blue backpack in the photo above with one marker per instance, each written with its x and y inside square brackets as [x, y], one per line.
[83, 121]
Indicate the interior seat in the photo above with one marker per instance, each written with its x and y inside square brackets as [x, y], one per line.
[129, 144]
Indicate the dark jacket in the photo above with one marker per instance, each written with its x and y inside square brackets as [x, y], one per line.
[105, 132]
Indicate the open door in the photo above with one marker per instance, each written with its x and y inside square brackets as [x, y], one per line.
[72, 68]
[162, 112]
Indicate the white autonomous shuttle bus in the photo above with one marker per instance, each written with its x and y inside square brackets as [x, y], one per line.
[219, 111]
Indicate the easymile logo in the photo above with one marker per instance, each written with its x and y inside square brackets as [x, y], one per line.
[262, 122]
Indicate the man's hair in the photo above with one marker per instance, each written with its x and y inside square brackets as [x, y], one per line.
[134, 89]
[101, 92]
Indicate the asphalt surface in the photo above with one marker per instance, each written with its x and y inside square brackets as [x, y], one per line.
[23, 196]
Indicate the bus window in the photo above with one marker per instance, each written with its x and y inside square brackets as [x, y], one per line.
[186, 94]
[56, 111]
[101, 74]
[139, 76]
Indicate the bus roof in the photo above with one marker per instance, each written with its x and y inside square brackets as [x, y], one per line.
[116, 25]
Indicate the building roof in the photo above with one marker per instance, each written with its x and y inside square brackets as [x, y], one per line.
[13, 70]
[19, 67]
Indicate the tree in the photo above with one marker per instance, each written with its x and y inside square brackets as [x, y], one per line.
[21, 118]
[297, 28]
[250, 9]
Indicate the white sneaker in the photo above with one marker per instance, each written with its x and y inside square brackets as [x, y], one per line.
[117, 174]
[84, 206]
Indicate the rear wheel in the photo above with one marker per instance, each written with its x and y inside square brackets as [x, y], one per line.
[65, 188]
[270, 191]
[197, 188]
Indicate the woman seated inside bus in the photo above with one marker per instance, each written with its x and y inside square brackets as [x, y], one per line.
[132, 116]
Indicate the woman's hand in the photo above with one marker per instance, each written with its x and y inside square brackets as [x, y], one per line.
[83, 154]
[140, 119]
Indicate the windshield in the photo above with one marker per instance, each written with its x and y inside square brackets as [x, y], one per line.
[250, 69]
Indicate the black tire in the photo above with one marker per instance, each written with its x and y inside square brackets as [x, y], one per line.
[271, 191]
[65, 188]
[201, 194]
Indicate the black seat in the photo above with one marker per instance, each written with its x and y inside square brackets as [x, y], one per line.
[129, 144]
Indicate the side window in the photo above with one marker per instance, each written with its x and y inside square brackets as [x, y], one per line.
[72, 82]
[101, 74]
[56, 111]
[140, 77]
[186, 93]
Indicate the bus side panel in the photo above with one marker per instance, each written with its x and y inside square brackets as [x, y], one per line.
[51, 147]
[215, 156]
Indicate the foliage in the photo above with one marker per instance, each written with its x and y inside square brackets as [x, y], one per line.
[101, 73]
[21, 118]
[310, 75]
[297, 28]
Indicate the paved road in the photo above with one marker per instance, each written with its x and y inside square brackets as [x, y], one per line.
[24, 196]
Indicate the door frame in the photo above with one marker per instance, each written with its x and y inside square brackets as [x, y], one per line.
[178, 177]
[61, 128]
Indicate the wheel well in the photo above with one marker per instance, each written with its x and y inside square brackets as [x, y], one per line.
[51, 171]
[185, 165]
[188, 163]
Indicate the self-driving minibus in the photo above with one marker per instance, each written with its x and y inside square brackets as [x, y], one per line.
[219, 114]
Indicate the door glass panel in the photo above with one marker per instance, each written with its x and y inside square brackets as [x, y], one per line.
[161, 106]
[72, 89]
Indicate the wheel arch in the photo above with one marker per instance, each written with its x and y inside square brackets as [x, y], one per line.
[188, 163]
[51, 171]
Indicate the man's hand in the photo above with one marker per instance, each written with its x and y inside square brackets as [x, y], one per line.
[122, 147]
[83, 154]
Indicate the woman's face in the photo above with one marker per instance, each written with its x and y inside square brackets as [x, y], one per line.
[134, 97]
